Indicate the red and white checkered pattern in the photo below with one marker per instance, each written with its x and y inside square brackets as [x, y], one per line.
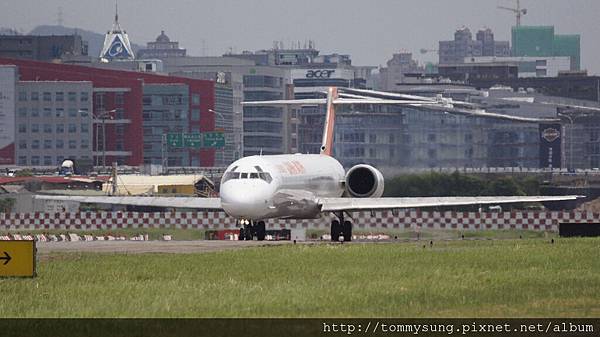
[530, 220]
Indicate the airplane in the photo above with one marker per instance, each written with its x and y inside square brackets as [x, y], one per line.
[304, 186]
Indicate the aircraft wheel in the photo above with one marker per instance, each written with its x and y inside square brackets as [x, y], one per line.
[250, 231]
[242, 235]
[260, 231]
[347, 231]
[335, 231]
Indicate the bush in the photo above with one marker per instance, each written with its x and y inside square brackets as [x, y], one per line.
[456, 184]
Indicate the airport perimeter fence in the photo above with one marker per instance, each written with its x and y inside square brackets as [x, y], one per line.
[380, 220]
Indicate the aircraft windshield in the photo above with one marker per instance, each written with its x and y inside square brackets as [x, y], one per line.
[253, 175]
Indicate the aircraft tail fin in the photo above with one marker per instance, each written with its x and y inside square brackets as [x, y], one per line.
[327, 143]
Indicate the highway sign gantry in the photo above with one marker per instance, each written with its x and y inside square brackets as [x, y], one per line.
[196, 140]
[192, 140]
[175, 139]
[213, 140]
[17, 258]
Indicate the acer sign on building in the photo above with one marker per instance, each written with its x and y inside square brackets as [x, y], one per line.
[319, 73]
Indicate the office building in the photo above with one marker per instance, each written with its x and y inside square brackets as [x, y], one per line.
[529, 66]
[468, 72]
[575, 85]
[542, 41]
[42, 48]
[53, 122]
[8, 81]
[130, 113]
[255, 129]
[398, 70]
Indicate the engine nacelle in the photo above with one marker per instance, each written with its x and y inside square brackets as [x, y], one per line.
[364, 181]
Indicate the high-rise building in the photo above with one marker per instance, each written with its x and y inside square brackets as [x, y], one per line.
[397, 68]
[542, 41]
[463, 45]
[255, 129]
[270, 75]
[491, 47]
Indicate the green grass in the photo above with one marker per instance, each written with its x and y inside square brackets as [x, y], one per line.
[439, 234]
[506, 278]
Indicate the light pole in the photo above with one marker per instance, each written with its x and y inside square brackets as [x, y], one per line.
[570, 167]
[223, 129]
[220, 115]
[103, 115]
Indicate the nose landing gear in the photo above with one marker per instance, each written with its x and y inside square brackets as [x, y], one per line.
[250, 229]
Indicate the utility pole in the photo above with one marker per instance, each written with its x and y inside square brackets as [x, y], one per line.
[103, 115]
[518, 11]
[165, 153]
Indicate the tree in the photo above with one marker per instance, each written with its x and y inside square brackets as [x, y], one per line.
[6, 205]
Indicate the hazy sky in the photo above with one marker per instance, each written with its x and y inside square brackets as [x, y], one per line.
[369, 30]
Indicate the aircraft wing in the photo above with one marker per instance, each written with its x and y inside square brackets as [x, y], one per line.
[174, 202]
[362, 204]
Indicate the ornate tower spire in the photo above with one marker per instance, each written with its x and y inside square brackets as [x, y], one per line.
[116, 42]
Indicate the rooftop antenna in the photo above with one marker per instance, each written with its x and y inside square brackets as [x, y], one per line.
[518, 11]
[116, 12]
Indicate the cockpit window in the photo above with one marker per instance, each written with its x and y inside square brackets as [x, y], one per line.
[231, 175]
[266, 177]
[253, 175]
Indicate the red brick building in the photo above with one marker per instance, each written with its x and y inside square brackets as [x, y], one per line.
[119, 96]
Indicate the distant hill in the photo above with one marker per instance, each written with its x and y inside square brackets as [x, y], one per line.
[94, 40]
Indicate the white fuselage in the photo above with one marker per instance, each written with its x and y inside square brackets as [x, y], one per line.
[280, 186]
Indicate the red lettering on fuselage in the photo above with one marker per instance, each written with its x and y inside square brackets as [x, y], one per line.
[295, 167]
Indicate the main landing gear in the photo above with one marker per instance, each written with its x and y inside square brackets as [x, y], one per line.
[341, 231]
[250, 229]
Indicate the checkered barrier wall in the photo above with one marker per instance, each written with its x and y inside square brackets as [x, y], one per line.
[529, 220]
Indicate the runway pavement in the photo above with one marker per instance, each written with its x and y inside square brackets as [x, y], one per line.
[139, 247]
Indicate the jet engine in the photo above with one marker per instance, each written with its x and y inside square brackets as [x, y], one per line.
[364, 181]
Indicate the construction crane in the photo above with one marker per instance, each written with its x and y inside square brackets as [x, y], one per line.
[518, 11]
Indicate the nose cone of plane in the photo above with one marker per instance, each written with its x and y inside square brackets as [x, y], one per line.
[246, 198]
